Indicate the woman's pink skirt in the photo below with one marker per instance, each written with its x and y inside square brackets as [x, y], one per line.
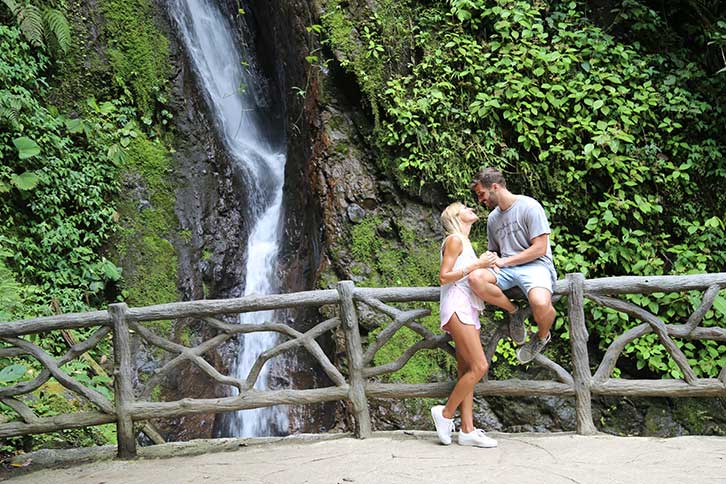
[457, 301]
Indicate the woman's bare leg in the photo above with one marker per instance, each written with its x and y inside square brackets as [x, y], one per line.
[466, 408]
[469, 352]
[484, 285]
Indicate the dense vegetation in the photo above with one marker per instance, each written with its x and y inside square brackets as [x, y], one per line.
[617, 128]
[74, 127]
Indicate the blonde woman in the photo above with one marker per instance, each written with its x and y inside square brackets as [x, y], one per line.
[460, 308]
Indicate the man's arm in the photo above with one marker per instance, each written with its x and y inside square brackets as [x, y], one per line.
[534, 251]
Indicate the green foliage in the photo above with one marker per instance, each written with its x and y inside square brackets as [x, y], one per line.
[138, 53]
[405, 262]
[620, 140]
[142, 245]
[59, 177]
[52, 400]
[10, 290]
[366, 45]
[56, 215]
[42, 27]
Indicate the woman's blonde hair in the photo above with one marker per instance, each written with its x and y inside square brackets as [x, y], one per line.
[450, 218]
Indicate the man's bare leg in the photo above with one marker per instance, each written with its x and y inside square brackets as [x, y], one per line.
[540, 300]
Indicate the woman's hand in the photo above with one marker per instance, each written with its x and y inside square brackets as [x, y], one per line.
[487, 259]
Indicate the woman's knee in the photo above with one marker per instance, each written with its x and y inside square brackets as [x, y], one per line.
[479, 368]
[481, 276]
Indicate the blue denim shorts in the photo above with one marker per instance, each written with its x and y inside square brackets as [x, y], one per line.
[537, 273]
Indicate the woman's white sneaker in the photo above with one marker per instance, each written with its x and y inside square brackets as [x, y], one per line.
[444, 426]
[476, 438]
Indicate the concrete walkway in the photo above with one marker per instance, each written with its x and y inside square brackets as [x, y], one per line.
[416, 457]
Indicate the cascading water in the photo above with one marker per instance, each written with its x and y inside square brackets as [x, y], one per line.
[235, 93]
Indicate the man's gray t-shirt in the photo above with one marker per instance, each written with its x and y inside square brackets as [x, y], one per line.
[511, 231]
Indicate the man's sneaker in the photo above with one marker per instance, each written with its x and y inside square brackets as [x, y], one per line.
[517, 331]
[477, 438]
[526, 353]
[444, 426]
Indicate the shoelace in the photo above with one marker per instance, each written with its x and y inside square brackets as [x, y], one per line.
[451, 426]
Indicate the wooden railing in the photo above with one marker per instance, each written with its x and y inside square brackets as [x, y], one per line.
[134, 405]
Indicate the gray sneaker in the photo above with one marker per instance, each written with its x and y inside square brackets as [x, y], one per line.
[517, 331]
[526, 353]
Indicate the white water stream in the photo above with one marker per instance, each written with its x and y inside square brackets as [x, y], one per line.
[233, 90]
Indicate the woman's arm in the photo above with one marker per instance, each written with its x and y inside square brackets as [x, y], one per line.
[452, 249]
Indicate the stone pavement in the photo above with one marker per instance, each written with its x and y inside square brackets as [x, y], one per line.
[411, 457]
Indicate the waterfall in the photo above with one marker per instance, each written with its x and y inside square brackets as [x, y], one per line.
[236, 95]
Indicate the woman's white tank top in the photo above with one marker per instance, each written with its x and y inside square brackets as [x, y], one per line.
[467, 257]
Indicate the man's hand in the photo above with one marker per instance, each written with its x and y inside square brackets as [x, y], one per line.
[500, 262]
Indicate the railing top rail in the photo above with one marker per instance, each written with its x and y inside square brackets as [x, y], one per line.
[50, 323]
[253, 302]
[651, 284]
[210, 307]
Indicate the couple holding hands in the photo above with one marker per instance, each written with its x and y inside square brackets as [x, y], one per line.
[518, 255]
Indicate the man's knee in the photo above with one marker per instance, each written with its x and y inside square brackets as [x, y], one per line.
[539, 299]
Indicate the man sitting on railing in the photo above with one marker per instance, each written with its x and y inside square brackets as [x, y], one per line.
[517, 230]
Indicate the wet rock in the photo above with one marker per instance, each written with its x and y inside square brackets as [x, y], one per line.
[386, 229]
[356, 213]
[659, 422]
[484, 416]
[410, 414]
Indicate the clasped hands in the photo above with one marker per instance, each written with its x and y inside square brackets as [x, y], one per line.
[491, 260]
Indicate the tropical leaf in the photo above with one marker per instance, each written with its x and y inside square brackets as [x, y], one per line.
[58, 31]
[31, 24]
[25, 181]
[75, 125]
[720, 304]
[12, 6]
[47, 27]
[27, 148]
[12, 373]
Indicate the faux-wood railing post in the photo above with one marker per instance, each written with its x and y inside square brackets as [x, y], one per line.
[580, 358]
[122, 377]
[357, 392]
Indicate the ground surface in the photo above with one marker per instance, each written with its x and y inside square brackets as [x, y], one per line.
[416, 457]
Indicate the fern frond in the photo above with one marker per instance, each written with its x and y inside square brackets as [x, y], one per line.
[57, 28]
[9, 108]
[14, 7]
[30, 20]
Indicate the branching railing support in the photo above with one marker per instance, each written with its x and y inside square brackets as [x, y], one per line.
[122, 381]
[580, 358]
[357, 392]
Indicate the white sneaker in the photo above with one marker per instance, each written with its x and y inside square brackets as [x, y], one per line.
[477, 438]
[444, 426]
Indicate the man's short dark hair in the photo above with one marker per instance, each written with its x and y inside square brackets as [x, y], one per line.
[487, 176]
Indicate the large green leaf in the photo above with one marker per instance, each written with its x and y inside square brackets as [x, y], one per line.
[25, 181]
[75, 125]
[27, 148]
[720, 304]
[11, 373]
